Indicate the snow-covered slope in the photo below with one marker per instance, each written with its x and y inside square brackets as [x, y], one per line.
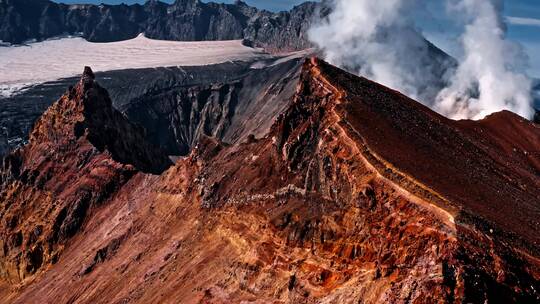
[21, 66]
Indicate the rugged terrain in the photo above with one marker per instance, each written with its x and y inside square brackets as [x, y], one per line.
[354, 193]
[184, 20]
[222, 96]
[80, 152]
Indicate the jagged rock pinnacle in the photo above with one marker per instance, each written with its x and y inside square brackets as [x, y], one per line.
[88, 73]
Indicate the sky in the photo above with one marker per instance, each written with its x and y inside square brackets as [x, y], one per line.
[522, 16]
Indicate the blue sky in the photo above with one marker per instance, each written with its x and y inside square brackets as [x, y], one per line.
[523, 17]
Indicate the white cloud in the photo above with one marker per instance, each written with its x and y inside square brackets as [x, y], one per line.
[523, 21]
[486, 79]
[375, 38]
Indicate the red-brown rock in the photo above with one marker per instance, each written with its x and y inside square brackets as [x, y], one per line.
[358, 194]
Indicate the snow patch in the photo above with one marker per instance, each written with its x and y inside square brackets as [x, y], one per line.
[21, 66]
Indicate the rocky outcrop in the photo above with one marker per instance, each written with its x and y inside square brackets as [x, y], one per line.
[80, 152]
[178, 116]
[176, 105]
[183, 20]
[4, 144]
[284, 31]
[356, 193]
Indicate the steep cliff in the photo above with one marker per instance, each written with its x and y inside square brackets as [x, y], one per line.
[355, 194]
[184, 20]
[176, 105]
[177, 116]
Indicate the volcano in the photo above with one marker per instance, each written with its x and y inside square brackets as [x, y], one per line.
[354, 193]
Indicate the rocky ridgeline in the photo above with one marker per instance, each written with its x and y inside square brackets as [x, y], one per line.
[184, 20]
[355, 193]
[80, 152]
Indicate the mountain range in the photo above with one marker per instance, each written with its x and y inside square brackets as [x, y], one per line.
[184, 20]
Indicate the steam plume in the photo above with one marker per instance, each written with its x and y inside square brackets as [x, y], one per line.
[488, 69]
[377, 39]
[373, 39]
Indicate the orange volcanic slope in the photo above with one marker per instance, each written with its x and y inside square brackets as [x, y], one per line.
[356, 194]
[488, 169]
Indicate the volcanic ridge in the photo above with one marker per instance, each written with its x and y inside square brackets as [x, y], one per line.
[354, 193]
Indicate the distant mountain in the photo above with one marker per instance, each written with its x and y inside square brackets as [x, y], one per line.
[184, 20]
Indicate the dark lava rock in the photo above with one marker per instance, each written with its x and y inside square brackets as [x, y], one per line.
[176, 105]
[183, 20]
[4, 145]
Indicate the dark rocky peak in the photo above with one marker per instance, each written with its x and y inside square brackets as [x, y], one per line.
[88, 77]
[85, 115]
[187, 5]
[107, 129]
[154, 4]
[80, 153]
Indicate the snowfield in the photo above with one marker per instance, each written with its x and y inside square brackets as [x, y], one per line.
[21, 66]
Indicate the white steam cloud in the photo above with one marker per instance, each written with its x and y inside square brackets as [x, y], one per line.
[489, 66]
[377, 39]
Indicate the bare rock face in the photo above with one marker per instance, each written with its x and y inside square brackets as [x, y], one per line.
[356, 193]
[80, 153]
[176, 105]
[183, 20]
[178, 116]
[4, 144]
[284, 31]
